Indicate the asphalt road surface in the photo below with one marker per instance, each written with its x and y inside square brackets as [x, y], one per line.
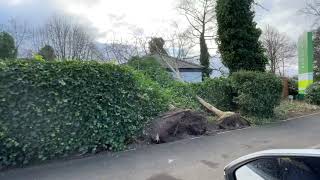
[193, 159]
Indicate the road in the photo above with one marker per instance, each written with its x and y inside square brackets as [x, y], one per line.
[193, 159]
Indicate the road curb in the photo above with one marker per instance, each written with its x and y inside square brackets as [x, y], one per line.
[295, 118]
[286, 120]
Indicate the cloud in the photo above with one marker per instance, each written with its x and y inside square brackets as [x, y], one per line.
[123, 18]
[153, 16]
[33, 11]
[285, 15]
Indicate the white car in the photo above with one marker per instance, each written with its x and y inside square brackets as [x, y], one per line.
[276, 165]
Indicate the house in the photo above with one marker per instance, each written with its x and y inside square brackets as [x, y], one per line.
[189, 72]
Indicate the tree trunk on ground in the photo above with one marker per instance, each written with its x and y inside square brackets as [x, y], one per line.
[227, 120]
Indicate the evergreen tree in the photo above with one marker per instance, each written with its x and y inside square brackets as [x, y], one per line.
[204, 57]
[238, 36]
[47, 52]
[7, 46]
[156, 46]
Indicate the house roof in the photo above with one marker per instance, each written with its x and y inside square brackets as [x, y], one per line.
[175, 63]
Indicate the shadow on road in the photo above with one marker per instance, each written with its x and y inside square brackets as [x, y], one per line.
[162, 177]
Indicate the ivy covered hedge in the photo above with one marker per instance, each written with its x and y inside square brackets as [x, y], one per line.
[218, 92]
[54, 109]
[313, 94]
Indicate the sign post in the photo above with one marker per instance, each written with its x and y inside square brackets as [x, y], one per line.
[305, 51]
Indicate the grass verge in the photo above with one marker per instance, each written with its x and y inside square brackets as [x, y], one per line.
[286, 110]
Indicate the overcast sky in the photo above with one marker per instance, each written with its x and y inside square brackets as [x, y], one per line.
[151, 17]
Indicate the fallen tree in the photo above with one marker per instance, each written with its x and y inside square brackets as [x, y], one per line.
[226, 120]
[175, 124]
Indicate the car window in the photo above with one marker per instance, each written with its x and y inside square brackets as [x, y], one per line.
[280, 169]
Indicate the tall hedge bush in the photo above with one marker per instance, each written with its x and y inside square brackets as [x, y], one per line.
[238, 36]
[313, 93]
[53, 109]
[218, 92]
[258, 93]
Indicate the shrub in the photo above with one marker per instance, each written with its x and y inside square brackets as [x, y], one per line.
[38, 57]
[152, 68]
[7, 46]
[258, 93]
[54, 109]
[293, 86]
[218, 92]
[47, 52]
[313, 94]
[183, 95]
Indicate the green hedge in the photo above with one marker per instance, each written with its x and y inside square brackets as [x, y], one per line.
[258, 93]
[253, 93]
[153, 69]
[218, 92]
[182, 95]
[293, 86]
[54, 109]
[313, 94]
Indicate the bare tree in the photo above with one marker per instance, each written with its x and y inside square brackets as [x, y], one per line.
[179, 44]
[70, 40]
[312, 8]
[19, 30]
[279, 49]
[201, 16]
[57, 31]
[38, 39]
[123, 49]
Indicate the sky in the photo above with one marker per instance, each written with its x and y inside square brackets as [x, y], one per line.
[122, 18]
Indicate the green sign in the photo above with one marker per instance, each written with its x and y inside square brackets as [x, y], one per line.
[305, 48]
